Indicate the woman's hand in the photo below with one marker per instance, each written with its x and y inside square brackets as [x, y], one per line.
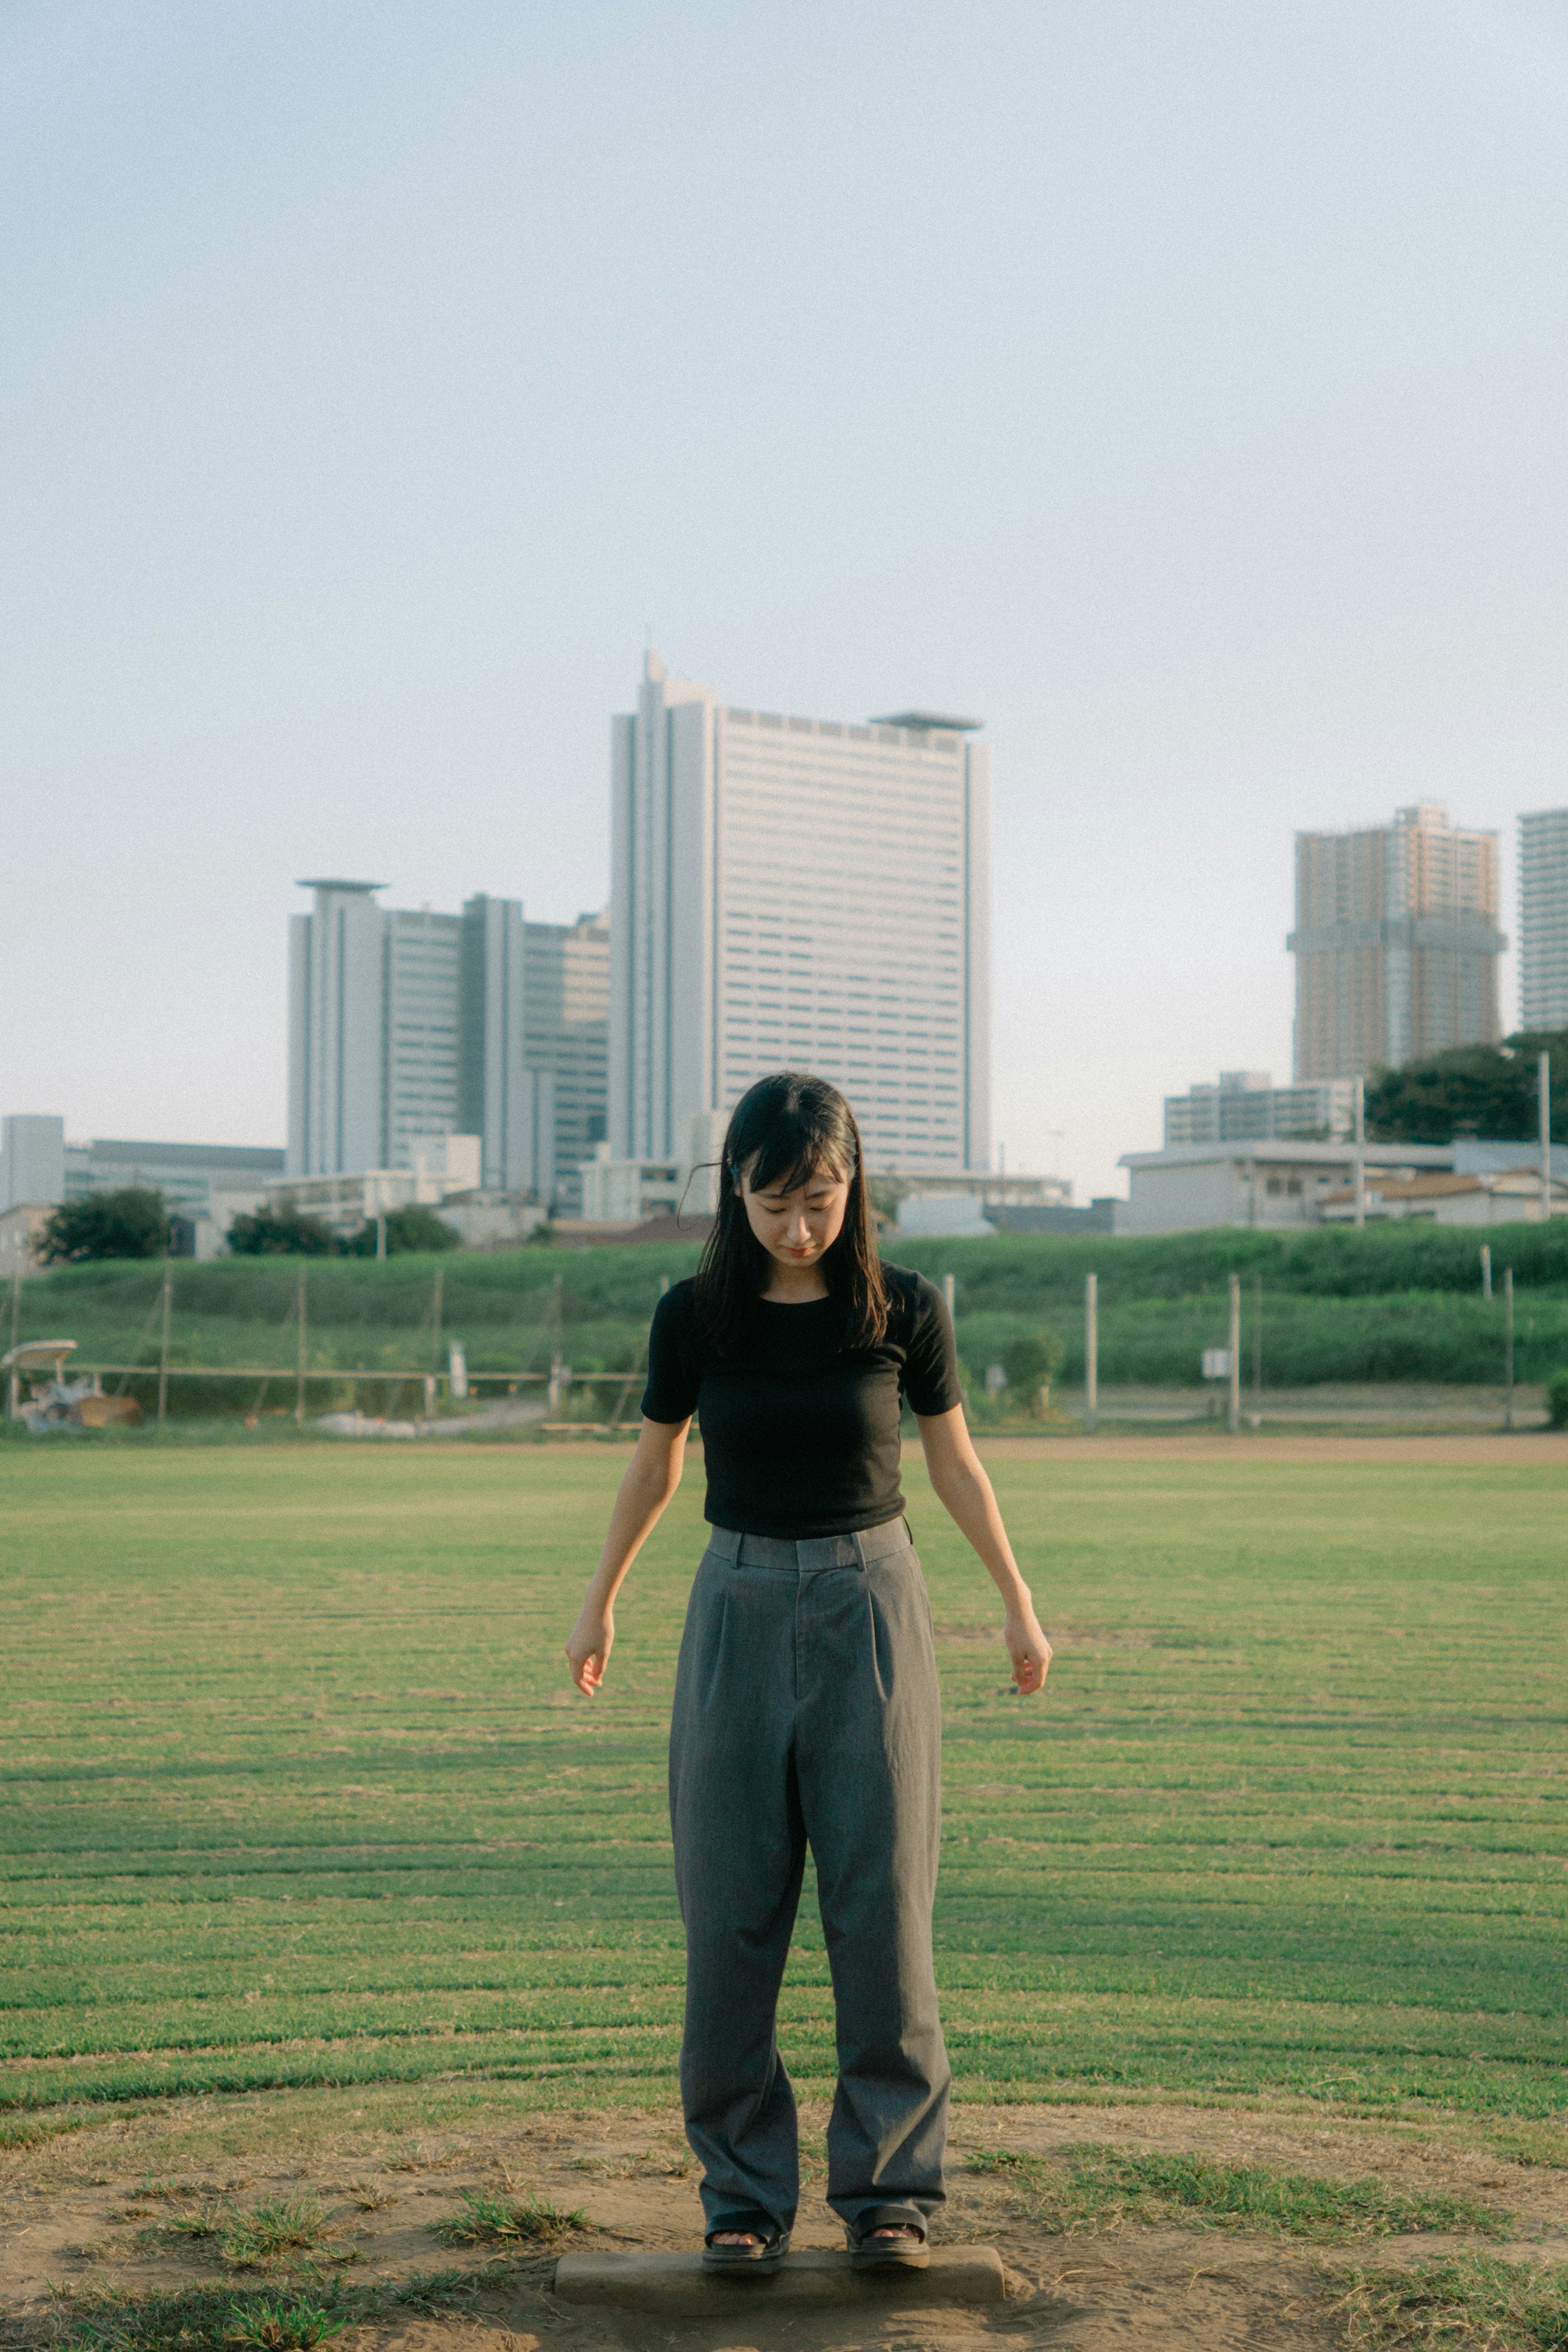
[587, 1651]
[1028, 1648]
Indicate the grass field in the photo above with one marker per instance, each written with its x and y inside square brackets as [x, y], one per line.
[295, 1791]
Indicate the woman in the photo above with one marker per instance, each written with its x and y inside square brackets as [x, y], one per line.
[807, 1708]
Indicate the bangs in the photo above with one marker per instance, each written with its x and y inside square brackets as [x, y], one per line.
[786, 1161]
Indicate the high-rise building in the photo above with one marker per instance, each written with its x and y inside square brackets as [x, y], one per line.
[1543, 920]
[799, 893]
[406, 1025]
[1396, 943]
[1247, 1107]
[566, 1038]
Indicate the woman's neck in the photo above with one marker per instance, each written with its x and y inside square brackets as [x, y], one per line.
[794, 1286]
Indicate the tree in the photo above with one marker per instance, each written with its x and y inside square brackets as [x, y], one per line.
[131, 1223]
[1486, 1090]
[414, 1228]
[282, 1231]
[1030, 1363]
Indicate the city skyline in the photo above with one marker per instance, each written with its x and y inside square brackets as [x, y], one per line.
[1185, 398]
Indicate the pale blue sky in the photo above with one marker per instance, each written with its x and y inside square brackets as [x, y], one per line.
[1180, 386]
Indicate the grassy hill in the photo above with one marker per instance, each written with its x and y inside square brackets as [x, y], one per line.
[1395, 1303]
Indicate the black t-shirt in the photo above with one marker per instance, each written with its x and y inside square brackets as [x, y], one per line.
[800, 1432]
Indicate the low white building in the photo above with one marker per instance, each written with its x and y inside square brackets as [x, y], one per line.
[1273, 1185]
[1509, 1198]
[443, 1164]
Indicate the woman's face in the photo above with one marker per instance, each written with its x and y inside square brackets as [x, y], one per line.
[798, 1226]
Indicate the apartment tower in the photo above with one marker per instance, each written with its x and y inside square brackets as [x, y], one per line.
[1396, 943]
[799, 893]
[404, 1026]
[1543, 920]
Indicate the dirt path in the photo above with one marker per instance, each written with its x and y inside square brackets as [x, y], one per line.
[68, 2216]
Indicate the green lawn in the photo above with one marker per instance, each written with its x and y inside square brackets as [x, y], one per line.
[296, 1792]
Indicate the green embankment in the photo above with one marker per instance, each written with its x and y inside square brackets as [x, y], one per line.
[295, 1791]
[1400, 1303]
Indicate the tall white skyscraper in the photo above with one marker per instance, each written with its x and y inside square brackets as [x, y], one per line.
[1543, 920]
[799, 894]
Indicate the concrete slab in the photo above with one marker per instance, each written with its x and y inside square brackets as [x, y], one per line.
[677, 2283]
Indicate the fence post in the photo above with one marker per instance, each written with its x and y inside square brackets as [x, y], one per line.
[1233, 1404]
[1090, 1353]
[299, 1359]
[1507, 1345]
[163, 1342]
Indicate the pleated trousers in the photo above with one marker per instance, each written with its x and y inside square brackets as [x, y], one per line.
[807, 1715]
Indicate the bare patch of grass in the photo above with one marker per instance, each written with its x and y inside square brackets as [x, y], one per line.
[489, 2219]
[1471, 2300]
[1096, 2188]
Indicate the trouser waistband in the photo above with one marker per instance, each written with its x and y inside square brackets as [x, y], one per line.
[856, 1551]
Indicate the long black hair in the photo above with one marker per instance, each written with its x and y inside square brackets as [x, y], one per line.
[783, 1131]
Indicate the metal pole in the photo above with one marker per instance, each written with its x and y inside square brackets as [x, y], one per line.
[163, 1343]
[1543, 1080]
[1507, 1345]
[299, 1359]
[1090, 1353]
[947, 1291]
[1258, 1346]
[436, 1319]
[1233, 1409]
[1361, 1151]
[1486, 1269]
[13, 1386]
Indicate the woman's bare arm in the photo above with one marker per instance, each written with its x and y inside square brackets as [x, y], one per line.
[958, 1476]
[651, 1476]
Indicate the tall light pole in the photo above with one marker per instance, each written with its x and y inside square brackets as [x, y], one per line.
[1233, 1408]
[1361, 1151]
[1543, 1080]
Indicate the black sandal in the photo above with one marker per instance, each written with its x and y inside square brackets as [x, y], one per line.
[765, 2257]
[870, 2253]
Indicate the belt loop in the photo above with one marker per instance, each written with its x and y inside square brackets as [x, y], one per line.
[858, 1539]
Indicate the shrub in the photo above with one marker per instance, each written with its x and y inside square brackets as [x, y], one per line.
[1030, 1363]
[281, 1231]
[412, 1228]
[131, 1223]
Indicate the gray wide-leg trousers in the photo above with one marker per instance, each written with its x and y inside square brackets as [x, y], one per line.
[807, 1712]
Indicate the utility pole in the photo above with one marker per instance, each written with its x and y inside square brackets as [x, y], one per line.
[163, 1342]
[299, 1359]
[557, 1369]
[1543, 1080]
[1486, 1270]
[13, 1386]
[1233, 1408]
[1361, 1151]
[1090, 1353]
[1258, 1347]
[1507, 1345]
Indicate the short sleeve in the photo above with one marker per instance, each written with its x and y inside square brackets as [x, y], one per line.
[931, 1360]
[673, 1372]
